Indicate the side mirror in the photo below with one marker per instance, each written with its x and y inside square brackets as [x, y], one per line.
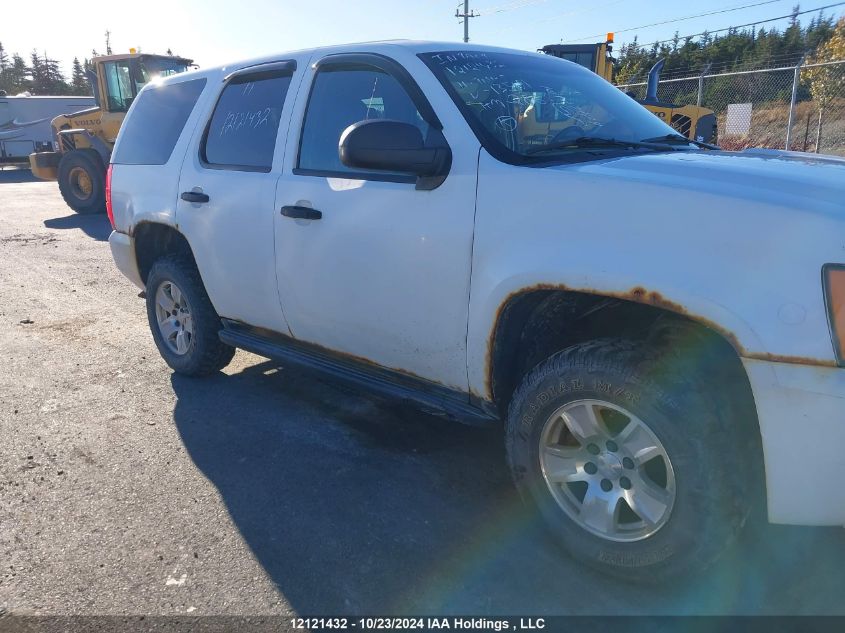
[386, 145]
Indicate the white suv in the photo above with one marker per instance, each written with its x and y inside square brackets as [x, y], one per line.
[505, 238]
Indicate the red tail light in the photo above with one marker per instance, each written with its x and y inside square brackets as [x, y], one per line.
[108, 197]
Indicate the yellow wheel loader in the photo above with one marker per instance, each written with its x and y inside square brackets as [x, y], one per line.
[694, 122]
[83, 141]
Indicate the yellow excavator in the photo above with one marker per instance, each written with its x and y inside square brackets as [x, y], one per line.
[83, 141]
[694, 122]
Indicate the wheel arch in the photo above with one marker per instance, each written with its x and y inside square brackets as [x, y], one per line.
[154, 240]
[541, 320]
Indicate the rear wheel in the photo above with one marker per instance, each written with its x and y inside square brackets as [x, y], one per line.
[635, 466]
[82, 181]
[183, 322]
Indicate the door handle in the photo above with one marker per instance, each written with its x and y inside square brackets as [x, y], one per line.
[301, 213]
[194, 196]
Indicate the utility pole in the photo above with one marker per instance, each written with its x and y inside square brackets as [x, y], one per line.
[108, 42]
[795, 82]
[466, 15]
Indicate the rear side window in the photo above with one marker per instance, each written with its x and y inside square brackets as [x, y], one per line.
[242, 131]
[151, 132]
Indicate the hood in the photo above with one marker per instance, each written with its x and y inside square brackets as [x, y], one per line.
[810, 182]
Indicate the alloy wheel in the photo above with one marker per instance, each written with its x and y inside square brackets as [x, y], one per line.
[607, 470]
[173, 313]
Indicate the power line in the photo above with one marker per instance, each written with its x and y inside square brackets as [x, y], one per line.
[560, 15]
[519, 4]
[740, 26]
[689, 17]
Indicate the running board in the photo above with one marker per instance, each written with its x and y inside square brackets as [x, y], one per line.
[431, 397]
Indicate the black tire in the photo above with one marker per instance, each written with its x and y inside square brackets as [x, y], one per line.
[84, 197]
[685, 410]
[205, 353]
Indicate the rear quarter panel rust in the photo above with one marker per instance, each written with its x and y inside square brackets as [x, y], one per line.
[733, 259]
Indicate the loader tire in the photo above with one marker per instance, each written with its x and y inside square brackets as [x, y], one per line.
[82, 181]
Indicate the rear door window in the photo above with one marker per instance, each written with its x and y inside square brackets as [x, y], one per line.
[242, 132]
[152, 129]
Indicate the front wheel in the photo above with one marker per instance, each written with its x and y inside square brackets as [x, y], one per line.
[631, 466]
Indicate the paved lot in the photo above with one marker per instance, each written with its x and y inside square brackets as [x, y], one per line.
[127, 490]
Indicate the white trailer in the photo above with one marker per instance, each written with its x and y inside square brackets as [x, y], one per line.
[25, 123]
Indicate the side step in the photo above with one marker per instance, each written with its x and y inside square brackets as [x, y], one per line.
[391, 384]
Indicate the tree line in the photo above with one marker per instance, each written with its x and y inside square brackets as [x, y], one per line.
[41, 75]
[736, 49]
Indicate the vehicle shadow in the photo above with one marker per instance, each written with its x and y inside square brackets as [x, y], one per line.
[15, 175]
[96, 225]
[354, 506]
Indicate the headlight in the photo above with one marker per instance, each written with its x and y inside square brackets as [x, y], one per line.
[834, 291]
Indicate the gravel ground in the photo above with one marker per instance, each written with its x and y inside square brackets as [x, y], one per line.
[125, 489]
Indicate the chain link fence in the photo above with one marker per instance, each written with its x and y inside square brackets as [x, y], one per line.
[800, 107]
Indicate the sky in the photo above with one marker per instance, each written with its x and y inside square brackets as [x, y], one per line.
[215, 32]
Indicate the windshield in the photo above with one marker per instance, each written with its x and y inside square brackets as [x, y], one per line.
[151, 68]
[530, 108]
[585, 59]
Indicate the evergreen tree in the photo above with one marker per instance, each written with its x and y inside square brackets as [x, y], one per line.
[46, 76]
[56, 82]
[36, 74]
[737, 49]
[793, 21]
[78, 81]
[5, 83]
[18, 75]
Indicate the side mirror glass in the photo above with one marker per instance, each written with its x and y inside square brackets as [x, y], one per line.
[395, 146]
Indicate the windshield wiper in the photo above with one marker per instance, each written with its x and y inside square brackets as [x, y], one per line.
[679, 138]
[595, 141]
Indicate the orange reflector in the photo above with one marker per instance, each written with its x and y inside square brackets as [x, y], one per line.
[835, 288]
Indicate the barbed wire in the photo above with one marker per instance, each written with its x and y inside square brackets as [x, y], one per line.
[773, 61]
[641, 79]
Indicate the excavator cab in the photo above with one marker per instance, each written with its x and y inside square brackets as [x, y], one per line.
[694, 122]
[118, 78]
[84, 139]
[595, 57]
